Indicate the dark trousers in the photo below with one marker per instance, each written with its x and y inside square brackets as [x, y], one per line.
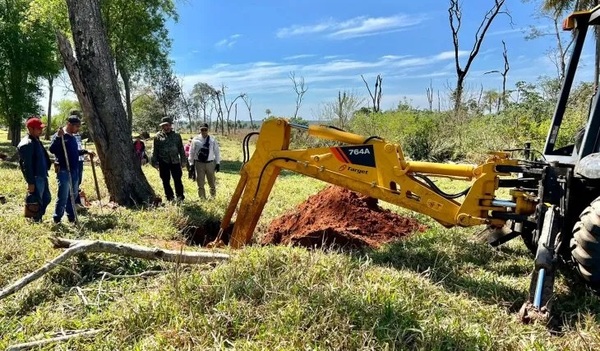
[78, 185]
[166, 171]
[42, 192]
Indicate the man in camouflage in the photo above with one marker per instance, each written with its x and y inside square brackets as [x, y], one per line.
[168, 156]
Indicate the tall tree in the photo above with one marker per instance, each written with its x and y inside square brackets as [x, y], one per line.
[167, 90]
[376, 95]
[95, 82]
[203, 94]
[25, 57]
[455, 17]
[136, 30]
[139, 38]
[230, 105]
[556, 10]
[52, 73]
[248, 102]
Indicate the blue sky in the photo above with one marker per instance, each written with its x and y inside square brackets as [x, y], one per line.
[252, 46]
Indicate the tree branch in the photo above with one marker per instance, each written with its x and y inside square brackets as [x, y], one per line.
[75, 247]
[37, 343]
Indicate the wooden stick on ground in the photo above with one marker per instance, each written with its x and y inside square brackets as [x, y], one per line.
[37, 343]
[75, 247]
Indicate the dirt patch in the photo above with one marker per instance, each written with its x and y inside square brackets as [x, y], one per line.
[341, 218]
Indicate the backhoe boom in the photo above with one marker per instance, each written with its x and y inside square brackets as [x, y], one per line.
[373, 167]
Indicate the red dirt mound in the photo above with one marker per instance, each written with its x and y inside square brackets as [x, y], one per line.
[340, 217]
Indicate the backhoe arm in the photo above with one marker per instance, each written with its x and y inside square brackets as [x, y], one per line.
[370, 166]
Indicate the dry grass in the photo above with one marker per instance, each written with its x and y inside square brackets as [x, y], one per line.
[435, 291]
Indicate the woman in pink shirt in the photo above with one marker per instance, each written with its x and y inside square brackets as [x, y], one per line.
[191, 169]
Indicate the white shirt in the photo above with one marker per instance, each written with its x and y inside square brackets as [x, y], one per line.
[214, 153]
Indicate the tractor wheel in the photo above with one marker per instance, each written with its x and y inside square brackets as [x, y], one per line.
[585, 245]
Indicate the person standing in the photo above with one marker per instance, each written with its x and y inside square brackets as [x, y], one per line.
[205, 155]
[67, 167]
[139, 148]
[76, 113]
[190, 168]
[168, 156]
[35, 164]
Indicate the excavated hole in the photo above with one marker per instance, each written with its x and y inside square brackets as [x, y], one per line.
[206, 233]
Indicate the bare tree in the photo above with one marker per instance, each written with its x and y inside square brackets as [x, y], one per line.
[455, 17]
[300, 88]
[341, 111]
[502, 98]
[559, 54]
[248, 102]
[430, 96]
[229, 106]
[376, 95]
[235, 118]
[217, 101]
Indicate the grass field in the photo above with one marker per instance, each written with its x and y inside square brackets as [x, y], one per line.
[439, 290]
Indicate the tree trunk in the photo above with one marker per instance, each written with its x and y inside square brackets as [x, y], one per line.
[127, 86]
[50, 94]
[14, 132]
[95, 83]
[458, 93]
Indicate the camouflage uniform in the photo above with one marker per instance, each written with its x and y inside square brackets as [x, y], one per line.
[168, 154]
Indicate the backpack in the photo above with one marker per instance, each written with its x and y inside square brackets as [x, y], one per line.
[204, 150]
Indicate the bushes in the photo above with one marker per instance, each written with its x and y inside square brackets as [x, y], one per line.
[470, 134]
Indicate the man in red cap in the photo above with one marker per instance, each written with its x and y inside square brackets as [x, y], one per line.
[35, 164]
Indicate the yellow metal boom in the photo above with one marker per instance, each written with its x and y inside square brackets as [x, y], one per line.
[370, 166]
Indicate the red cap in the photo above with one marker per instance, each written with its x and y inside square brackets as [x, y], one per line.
[34, 122]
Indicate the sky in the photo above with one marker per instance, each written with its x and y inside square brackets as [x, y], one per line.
[252, 47]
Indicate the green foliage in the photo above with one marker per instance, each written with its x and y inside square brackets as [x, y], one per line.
[26, 54]
[147, 112]
[479, 129]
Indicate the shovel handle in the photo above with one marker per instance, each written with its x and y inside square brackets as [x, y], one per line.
[95, 178]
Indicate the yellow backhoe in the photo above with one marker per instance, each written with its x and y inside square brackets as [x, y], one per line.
[553, 203]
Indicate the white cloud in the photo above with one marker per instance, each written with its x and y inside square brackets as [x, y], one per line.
[229, 41]
[354, 27]
[298, 57]
[269, 85]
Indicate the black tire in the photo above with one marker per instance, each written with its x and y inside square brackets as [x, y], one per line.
[585, 245]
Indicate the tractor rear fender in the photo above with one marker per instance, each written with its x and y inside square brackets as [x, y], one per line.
[589, 166]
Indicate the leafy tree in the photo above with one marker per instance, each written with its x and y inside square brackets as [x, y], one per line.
[168, 92]
[136, 31]
[147, 112]
[203, 94]
[25, 56]
[96, 85]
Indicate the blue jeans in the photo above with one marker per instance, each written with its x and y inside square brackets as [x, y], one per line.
[42, 192]
[63, 201]
[80, 179]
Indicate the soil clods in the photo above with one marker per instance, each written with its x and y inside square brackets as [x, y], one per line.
[337, 217]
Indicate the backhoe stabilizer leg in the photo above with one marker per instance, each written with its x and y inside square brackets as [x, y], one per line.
[541, 288]
[235, 199]
[255, 196]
